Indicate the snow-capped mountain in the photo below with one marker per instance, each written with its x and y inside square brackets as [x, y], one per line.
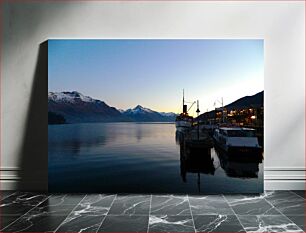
[74, 107]
[77, 108]
[70, 97]
[140, 113]
[138, 110]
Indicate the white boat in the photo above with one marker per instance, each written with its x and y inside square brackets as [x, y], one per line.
[237, 140]
[184, 121]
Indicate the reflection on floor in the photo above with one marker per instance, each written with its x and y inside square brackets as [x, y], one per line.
[273, 211]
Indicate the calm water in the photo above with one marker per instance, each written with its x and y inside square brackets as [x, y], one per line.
[141, 158]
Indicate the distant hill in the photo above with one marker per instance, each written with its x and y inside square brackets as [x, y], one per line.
[142, 114]
[73, 107]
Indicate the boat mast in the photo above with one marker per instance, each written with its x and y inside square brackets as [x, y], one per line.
[222, 110]
[198, 113]
[185, 111]
[198, 109]
[183, 100]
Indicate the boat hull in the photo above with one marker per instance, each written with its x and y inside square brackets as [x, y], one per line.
[239, 151]
[242, 150]
[183, 124]
[235, 154]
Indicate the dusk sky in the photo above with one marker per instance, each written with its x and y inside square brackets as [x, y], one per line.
[153, 73]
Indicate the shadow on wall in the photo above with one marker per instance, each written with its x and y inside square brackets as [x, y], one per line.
[34, 153]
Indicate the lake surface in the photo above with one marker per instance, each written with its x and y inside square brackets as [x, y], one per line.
[141, 158]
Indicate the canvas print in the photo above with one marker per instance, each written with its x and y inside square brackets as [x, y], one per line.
[180, 116]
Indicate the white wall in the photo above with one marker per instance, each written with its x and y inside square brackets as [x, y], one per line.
[281, 24]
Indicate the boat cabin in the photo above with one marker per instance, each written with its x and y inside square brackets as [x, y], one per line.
[237, 132]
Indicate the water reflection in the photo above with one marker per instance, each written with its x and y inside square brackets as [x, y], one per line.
[200, 161]
[142, 158]
[239, 166]
[194, 160]
[74, 139]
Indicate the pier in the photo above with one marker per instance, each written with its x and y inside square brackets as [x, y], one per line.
[197, 142]
[198, 139]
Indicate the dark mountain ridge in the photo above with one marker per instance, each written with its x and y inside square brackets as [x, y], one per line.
[253, 101]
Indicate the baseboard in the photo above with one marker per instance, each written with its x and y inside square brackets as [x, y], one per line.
[284, 185]
[10, 179]
[284, 178]
[275, 178]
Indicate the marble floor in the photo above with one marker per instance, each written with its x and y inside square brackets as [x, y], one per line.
[273, 211]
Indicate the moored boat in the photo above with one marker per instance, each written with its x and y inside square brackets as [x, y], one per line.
[237, 140]
[184, 121]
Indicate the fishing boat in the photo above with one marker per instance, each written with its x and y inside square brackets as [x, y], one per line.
[184, 121]
[237, 140]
